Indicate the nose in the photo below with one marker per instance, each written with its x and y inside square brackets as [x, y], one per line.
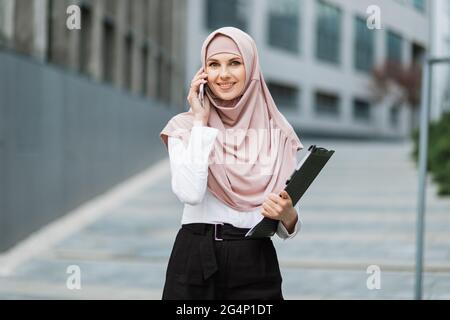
[224, 72]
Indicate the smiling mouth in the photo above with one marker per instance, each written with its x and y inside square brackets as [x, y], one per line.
[226, 86]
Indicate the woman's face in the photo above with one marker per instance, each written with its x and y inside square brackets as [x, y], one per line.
[226, 75]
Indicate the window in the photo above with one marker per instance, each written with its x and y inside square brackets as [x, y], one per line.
[144, 70]
[50, 31]
[226, 13]
[419, 5]
[327, 104]
[85, 40]
[3, 14]
[108, 51]
[127, 65]
[328, 27]
[361, 110]
[418, 53]
[394, 47]
[394, 115]
[23, 29]
[284, 96]
[284, 24]
[161, 68]
[364, 45]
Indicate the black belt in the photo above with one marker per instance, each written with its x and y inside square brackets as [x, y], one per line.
[212, 233]
[220, 232]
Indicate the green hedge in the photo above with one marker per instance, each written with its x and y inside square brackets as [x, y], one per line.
[438, 152]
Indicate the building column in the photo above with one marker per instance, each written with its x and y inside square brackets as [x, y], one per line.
[119, 43]
[137, 24]
[30, 29]
[40, 36]
[346, 58]
[23, 26]
[58, 48]
[95, 65]
[165, 42]
[7, 22]
[152, 36]
[308, 30]
[178, 53]
[73, 36]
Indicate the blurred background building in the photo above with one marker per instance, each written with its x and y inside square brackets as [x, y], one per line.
[317, 57]
[133, 45]
[80, 110]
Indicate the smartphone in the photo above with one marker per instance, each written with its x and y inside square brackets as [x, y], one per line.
[201, 94]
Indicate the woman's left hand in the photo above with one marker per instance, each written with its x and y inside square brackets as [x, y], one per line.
[280, 208]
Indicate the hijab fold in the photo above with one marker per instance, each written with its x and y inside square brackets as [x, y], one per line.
[255, 150]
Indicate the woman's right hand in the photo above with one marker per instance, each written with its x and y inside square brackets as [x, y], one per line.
[201, 113]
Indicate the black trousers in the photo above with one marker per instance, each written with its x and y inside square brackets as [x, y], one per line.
[201, 267]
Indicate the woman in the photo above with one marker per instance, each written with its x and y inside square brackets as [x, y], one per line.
[226, 193]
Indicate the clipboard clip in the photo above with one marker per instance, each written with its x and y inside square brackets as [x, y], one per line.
[318, 150]
[312, 148]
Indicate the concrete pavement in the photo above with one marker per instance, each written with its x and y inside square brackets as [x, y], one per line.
[360, 212]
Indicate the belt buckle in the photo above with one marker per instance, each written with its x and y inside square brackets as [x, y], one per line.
[215, 232]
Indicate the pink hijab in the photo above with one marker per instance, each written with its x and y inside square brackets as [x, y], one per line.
[255, 150]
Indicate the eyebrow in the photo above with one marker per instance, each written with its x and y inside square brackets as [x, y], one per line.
[235, 58]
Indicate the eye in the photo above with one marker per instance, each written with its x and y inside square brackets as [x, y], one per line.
[212, 64]
[236, 63]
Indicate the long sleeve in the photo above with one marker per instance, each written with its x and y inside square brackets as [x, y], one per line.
[282, 231]
[189, 166]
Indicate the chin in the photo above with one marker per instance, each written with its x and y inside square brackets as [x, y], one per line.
[227, 95]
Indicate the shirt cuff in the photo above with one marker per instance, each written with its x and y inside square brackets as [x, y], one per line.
[282, 231]
[284, 234]
[200, 144]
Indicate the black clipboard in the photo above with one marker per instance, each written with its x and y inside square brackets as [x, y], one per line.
[302, 177]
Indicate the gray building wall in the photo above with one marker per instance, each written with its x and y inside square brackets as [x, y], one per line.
[64, 140]
[81, 110]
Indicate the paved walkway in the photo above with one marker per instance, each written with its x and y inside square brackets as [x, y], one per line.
[360, 212]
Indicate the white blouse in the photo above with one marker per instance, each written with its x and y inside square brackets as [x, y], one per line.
[189, 176]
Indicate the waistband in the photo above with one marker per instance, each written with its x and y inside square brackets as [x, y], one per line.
[213, 233]
[220, 232]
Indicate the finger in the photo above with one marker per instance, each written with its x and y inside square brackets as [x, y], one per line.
[278, 200]
[198, 79]
[200, 76]
[276, 207]
[266, 214]
[270, 215]
[275, 198]
[285, 198]
[285, 195]
[199, 71]
[270, 210]
[196, 84]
